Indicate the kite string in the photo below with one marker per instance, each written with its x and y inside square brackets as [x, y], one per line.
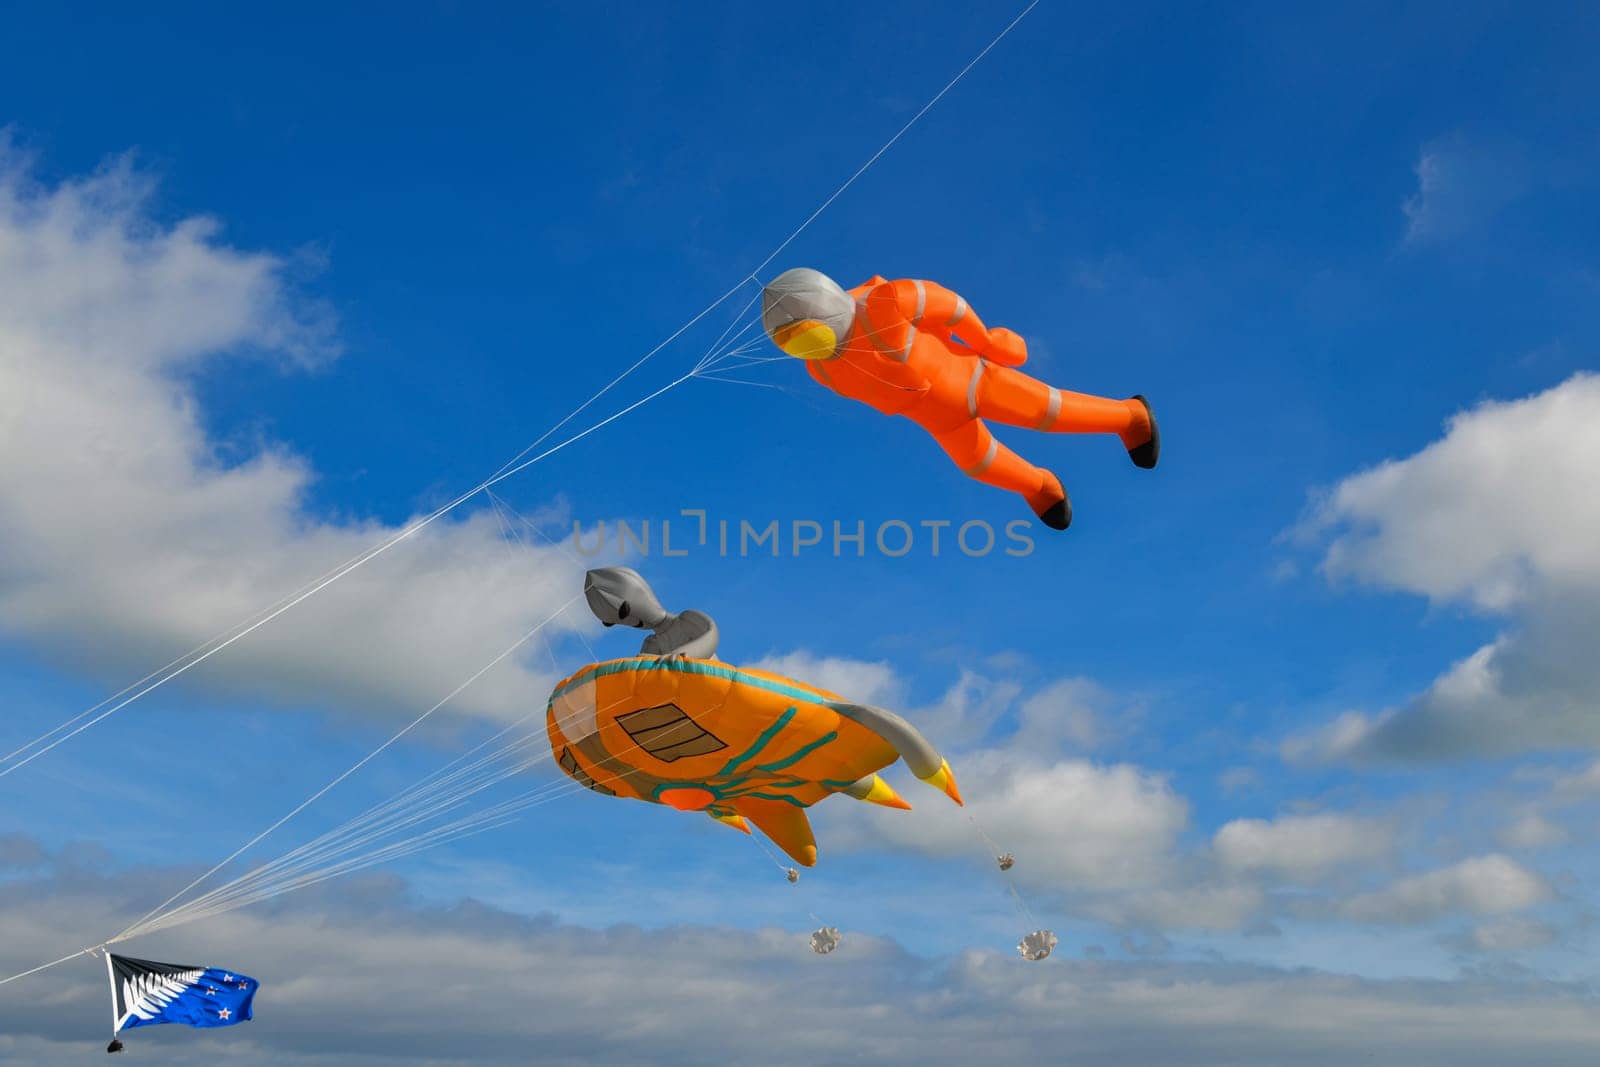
[739, 340]
[418, 805]
[202, 646]
[995, 851]
[302, 858]
[47, 966]
[951, 84]
[500, 502]
[258, 883]
[715, 351]
[237, 894]
[503, 814]
[506, 470]
[786, 868]
[213, 900]
[359, 831]
[741, 381]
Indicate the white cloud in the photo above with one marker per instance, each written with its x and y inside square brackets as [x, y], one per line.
[129, 539]
[1483, 885]
[1501, 515]
[859, 681]
[1072, 824]
[1301, 847]
[1501, 507]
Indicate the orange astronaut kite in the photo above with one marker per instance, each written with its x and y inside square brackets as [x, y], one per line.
[916, 349]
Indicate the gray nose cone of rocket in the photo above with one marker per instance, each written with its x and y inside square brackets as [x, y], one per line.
[803, 293]
[621, 595]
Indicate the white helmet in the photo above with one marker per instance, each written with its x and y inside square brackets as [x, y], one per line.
[806, 313]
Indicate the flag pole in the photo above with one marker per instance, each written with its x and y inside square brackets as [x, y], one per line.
[111, 980]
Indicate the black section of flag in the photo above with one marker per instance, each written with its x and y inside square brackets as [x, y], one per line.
[126, 969]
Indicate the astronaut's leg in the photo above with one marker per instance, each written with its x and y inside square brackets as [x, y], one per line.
[1009, 396]
[975, 450]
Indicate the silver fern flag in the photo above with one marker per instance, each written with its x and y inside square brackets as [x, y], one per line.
[144, 993]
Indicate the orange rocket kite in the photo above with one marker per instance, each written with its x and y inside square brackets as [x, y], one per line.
[916, 349]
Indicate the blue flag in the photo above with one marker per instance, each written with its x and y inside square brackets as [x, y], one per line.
[144, 993]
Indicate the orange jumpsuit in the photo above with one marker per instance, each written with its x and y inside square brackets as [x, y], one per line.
[916, 349]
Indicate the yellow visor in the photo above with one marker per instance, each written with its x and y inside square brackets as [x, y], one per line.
[806, 339]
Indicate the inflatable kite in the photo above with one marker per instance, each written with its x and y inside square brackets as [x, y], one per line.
[916, 349]
[743, 746]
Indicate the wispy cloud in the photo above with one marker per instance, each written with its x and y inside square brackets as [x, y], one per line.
[1462, 183]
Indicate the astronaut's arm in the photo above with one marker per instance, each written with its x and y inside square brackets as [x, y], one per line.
[939, 310]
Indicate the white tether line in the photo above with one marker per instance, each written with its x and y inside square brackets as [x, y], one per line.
[951, 84]
[292, 870]
[421, 802]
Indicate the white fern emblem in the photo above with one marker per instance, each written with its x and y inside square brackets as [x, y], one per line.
[147, 995]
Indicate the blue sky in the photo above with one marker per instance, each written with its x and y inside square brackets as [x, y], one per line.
[1314, 694]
